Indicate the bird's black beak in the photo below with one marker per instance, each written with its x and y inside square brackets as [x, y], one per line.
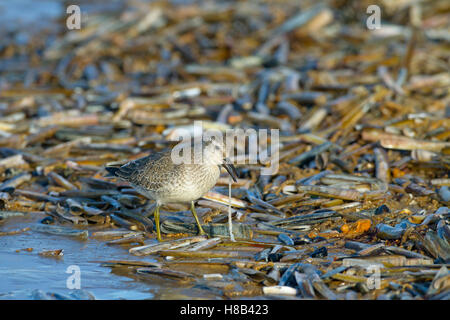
[230, 169]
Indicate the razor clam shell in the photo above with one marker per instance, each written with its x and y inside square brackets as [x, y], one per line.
[173, 244]
[62, 231]
[166, 273]
[280, 290]
[240, 231]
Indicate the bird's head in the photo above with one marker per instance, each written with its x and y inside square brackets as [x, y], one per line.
[214, 151]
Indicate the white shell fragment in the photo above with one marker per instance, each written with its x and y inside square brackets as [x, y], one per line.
[280, 290]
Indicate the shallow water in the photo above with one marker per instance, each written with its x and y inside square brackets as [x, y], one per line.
[22, 272]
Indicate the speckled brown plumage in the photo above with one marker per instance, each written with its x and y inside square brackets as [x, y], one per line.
[157, 176]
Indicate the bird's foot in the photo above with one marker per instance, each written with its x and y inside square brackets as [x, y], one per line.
[201, 232]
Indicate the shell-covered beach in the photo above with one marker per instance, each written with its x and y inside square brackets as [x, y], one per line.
[357, 208]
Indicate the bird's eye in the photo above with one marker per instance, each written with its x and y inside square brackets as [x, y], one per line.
[217, 147]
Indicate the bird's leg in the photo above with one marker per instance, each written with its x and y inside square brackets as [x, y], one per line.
[158, 231]
[194, 213]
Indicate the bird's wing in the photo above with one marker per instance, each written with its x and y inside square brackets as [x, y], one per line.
[136, 168]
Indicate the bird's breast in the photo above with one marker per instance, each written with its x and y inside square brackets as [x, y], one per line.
[190, 184]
